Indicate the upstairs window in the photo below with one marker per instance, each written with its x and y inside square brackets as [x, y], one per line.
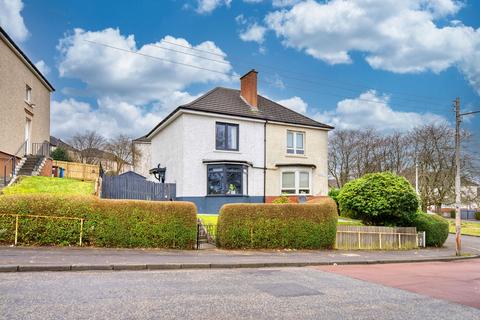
[28, 94]
[296, 182]
[226, 136]
[295, 142]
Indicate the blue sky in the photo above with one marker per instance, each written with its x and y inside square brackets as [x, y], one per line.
[384, 64]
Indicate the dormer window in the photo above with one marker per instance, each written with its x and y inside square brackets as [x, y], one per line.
[226, 136]
[295, 142]
[28, 94]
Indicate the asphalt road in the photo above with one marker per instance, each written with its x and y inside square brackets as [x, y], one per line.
[287, 293]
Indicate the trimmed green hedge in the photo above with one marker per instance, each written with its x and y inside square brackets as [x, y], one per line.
[435, 227]
[477, 215]
[109, 223]
[299, 226]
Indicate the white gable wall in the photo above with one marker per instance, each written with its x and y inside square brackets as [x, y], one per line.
[167, 148]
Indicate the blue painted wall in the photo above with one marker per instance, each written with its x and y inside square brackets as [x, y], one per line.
[213, 204]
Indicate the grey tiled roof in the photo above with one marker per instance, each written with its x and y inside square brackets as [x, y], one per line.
[228, 102]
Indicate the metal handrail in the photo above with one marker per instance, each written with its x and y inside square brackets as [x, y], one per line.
[18, 216]
[13, 159]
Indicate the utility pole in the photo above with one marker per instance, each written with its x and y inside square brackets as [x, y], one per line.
[458, 200]
[458, 222]
[416, 176]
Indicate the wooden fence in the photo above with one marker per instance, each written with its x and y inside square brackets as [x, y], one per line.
[370, 237]
[76, 170]
[127, 187]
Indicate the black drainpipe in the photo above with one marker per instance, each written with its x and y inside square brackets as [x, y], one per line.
[265, 161]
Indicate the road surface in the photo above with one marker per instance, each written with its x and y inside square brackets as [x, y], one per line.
[284, 293]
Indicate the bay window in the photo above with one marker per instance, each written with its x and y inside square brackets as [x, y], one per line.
[226, 179]
[295, 142]
[295, 181]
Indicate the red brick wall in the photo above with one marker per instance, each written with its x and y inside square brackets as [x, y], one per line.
[6, 163]
[47, 168]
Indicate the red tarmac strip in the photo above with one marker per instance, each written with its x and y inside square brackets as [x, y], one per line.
[457, 281]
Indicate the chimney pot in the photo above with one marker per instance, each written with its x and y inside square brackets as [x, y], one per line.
[248, 88]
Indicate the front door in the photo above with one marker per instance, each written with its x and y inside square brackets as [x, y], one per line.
[28, 129]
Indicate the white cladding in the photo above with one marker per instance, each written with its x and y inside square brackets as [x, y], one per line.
[189, 140]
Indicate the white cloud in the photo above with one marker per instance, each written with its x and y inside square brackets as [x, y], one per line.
[133, 91]
[254, 32]
[110, 117]
[131, 77]
[371, 110]
[42, 67]
[11, 19]
[284, 3]
[295, 103]
[207, 6]
[398, 36]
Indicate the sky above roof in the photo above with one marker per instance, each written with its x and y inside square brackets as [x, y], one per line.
[121, 66]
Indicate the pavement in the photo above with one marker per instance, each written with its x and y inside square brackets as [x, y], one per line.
[81, 259]
[274, 293]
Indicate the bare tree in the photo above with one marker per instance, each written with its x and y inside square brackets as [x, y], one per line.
[89, 145]
[434, 147]
[341, 153]
[123, 152]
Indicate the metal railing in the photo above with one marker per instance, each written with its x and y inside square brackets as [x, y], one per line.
[18, 216]
[13, 162]
[206, 234]
[41, 149]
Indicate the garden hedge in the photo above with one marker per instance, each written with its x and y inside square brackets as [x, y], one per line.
[477, 215]
[299, 226]
[109, 223]
[380, 199]
[435, 227]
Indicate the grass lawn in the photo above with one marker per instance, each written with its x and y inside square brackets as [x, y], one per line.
[468, 228]
[208, 218]
[342, 221]
[51, 185]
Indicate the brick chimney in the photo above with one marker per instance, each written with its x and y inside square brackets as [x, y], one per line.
[248, 88]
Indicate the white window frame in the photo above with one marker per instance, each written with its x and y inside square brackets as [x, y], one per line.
[296, 150]
[296, 171]
[28, 94]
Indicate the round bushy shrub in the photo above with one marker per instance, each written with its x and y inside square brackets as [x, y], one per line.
[267, 225]
[477, 215]
[379, 199]
[435, 227]
[281, 200]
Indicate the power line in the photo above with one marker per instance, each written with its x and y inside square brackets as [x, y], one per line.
[157, 58]
[292, 71]
[228, 74]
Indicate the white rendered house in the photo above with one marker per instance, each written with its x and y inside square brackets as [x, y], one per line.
[231, 146]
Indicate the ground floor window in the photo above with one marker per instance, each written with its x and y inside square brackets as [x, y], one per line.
[296, 181]
[226, 179]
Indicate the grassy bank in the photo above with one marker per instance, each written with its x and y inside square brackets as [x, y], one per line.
[468, 228]
[49, 185]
